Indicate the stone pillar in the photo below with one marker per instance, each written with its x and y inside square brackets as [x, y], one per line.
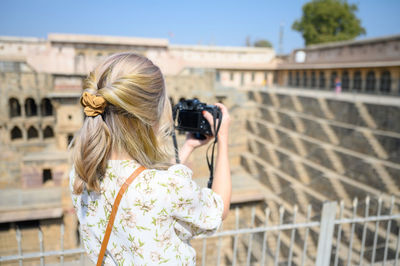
[363, 79]
[328, 79]
[351, 79]
[22, 104]
[285, 75]
[24, 133]
[270, 79]
[378, 74]
[40, 132]
[395, 81]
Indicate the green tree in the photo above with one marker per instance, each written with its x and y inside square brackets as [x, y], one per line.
[328, 21]
[262, 43]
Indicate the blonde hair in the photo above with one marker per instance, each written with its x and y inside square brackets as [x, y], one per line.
[136, 120]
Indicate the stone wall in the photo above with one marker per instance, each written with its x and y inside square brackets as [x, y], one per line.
[309, 146]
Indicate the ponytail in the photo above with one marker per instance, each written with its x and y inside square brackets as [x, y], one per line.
[91, 152]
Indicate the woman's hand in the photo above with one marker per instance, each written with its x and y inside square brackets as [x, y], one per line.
[226, 120]
[194, 143]
[191, 144]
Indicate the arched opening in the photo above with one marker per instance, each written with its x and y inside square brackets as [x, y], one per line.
[297, 79]
[30, 107]
[32, 133]
[16, 133]
[48, 132]
[80, 62]
[333, 79]
[313, 80]
[305, 80]
[385, 82]
[345, 80]
[290, 79]
[47, 107]
[321, 80]
[70, 137]
[370, 85]
[14, 107]
[217, 76]
[47, 176]
[357, 81]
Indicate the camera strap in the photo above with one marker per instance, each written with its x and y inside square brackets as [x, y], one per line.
[210, 163]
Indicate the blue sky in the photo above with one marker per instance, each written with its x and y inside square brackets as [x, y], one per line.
[222, 22]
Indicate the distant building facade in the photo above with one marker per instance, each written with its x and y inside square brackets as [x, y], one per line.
[364, 66]
[41, 82]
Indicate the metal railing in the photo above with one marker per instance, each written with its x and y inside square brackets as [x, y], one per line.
[336, 236]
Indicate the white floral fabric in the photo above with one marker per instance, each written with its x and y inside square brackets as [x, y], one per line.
[158, 215]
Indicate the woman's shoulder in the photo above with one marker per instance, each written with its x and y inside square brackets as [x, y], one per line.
[180, 170]
[174, 175]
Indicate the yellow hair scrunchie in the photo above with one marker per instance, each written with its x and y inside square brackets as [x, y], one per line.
[93, 105]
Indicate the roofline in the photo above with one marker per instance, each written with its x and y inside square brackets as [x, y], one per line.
[221, 48]
[338, 65]
[350, 42]
[103, 39]
[21, 39]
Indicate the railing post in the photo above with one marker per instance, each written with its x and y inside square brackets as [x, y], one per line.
[326, 234]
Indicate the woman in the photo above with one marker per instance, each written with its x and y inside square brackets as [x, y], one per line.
[128, 125]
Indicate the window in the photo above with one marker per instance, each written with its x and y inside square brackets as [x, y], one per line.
[242, 79]
[6, 66]
[30, 107]
[70, 138]
[47, 176]
[345, 80]
[290, 82]
[333, 79]
[217, 76]
[385, 82]
[305, 81]
[14, 107]
[32, 133]
[48, 132]
[231, 76]
[253, 76]
[321, 80]
[313, 80]
[220, 99]
[357, 81]
[46, 107]
[80, 62]
[16, 133]
[370, 85]
[297, 79]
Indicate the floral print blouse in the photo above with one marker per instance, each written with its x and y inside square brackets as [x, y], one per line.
[158, 215]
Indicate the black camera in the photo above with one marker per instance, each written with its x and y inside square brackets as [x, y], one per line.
[188, 117]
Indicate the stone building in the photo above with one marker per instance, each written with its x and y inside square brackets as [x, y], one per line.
[362, 66]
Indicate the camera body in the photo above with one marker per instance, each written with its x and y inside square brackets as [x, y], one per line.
[189, 117]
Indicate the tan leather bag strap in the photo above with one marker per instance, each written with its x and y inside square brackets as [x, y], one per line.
[114, 212]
